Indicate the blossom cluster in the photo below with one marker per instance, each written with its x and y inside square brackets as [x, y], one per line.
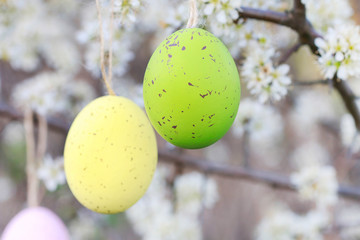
[262, 122]
[324, 17]
[263, 78]
[155, 216]
[122, 40]
[53, 93]
[51, 172]
[282, 223]
[315, 181]
[17, 21]
[340, 52]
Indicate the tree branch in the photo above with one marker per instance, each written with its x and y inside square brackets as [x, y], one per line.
[203, 165]
[311, 83]
[263, 15]
[289, 52]
[296, 20]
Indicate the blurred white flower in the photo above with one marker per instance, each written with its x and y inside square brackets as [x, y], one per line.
[349, 218]
[121, 42]
[41, 93]
[278, 5]
[21, 42]
[8, 188]
[178, 16]
[317, 183]
[283, 224]
[194, 191]
[126, 11]
[265, 80]
[127, 87]
[175, 227]
[304, 114]
[263, 122]
[322, 16]
[223, 10]
[13, 133]
[85, 226]
[348, 133]
[51, 172]
[310, 153]
[154, 216]
[340, 52]
[51, 93]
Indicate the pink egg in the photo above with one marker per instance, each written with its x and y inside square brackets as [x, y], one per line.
[37, 223]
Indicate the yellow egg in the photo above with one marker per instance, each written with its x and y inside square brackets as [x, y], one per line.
[110, 154]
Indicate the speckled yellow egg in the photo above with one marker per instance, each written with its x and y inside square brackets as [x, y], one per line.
[191, 89]
[110, 154]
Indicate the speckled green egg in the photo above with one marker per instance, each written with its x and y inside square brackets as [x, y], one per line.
[191, 89]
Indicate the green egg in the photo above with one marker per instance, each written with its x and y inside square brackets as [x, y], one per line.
[191, 89]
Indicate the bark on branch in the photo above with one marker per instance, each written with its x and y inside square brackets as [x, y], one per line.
[296, 20]
[225, 170]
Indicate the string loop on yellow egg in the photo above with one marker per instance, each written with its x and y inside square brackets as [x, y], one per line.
[106, 78]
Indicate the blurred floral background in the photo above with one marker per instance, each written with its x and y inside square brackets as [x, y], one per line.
[293, 141]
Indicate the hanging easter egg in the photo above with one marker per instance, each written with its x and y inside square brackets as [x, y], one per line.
[36, 223]
[110, 154]
[191, 89]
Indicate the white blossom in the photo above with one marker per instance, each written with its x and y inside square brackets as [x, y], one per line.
[340, 52]
[283, 224]
[13, 133]
[309, 154]
[51, 172]
[34, 24]
[323, 17]
[349, 219]
[177, 17]
[194, 191]
[277, 5]
[121, 42]
[317, 183]
[263, 79]
[126, 11]
[49, 93]
[155, 216]
[224, 11]
[86, 225]
[127, 87]
[263, 122]
[304, 115]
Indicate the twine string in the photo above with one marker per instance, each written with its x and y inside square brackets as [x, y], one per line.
[193, 17]
[106, 78]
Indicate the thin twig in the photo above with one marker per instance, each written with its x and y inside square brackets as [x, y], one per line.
[41, 149]
[31, 165]
[310, 83]
[348, 96]
[42, 137]
[268, 178]
[296, 20]
[289, 52]
[263, 15]
[110, 42]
